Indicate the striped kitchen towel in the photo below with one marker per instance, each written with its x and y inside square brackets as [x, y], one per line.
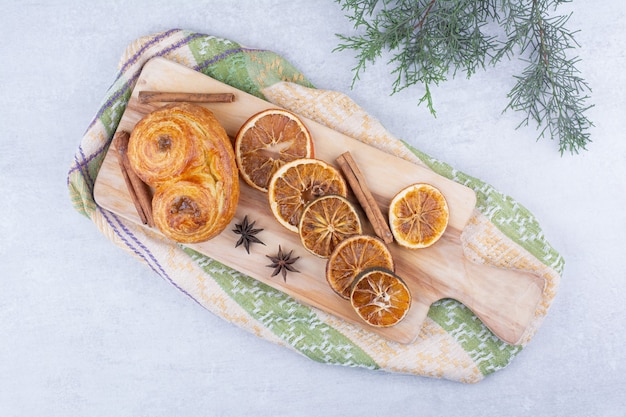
[453, 343]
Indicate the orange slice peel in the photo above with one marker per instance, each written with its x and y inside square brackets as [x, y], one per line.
[266, 141]
[351, 257]
[297, 183]
[327, 221]
[418, 216]
[380, 297]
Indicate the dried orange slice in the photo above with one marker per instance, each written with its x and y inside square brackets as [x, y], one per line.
[266, 141]
[418, 216]
[325, 222]
[380, 297]
[353, 256]
[299, 182]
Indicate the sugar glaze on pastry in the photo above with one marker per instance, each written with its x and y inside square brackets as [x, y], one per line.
[184, 153]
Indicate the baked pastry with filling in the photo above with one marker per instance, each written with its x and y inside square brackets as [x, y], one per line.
[184, 153]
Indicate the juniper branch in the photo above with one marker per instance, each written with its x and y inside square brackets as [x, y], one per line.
[431, 40]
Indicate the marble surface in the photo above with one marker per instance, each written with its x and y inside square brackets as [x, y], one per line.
[86, 330]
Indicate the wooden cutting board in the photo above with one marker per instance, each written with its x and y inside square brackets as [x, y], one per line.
[504, 300]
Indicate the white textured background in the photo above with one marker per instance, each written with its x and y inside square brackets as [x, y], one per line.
[87, 331]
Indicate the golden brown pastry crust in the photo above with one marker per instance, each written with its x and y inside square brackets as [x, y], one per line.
[185, 154]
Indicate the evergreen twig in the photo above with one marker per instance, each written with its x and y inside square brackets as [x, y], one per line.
[431, 40]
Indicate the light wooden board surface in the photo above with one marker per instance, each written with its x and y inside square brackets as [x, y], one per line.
[504, 300]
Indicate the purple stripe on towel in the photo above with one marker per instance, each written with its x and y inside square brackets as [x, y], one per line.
[133, 243]
[133, 78]
[148, 44]
[223, 55]
[144, 253]
[116, 96]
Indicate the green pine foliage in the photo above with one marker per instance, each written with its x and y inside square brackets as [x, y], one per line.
[432, 40]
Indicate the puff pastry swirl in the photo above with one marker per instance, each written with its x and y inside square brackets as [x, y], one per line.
[184, 153]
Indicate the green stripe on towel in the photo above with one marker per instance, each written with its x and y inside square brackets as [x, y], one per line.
[291, 321]
[510, 217]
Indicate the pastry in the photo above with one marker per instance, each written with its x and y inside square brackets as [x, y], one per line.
[184, 153]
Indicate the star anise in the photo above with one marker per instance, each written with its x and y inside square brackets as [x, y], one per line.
[282, 263]
[247, 232]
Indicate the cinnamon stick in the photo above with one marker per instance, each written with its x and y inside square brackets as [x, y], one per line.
[364, 196]
[152, 96]
[139, 191]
